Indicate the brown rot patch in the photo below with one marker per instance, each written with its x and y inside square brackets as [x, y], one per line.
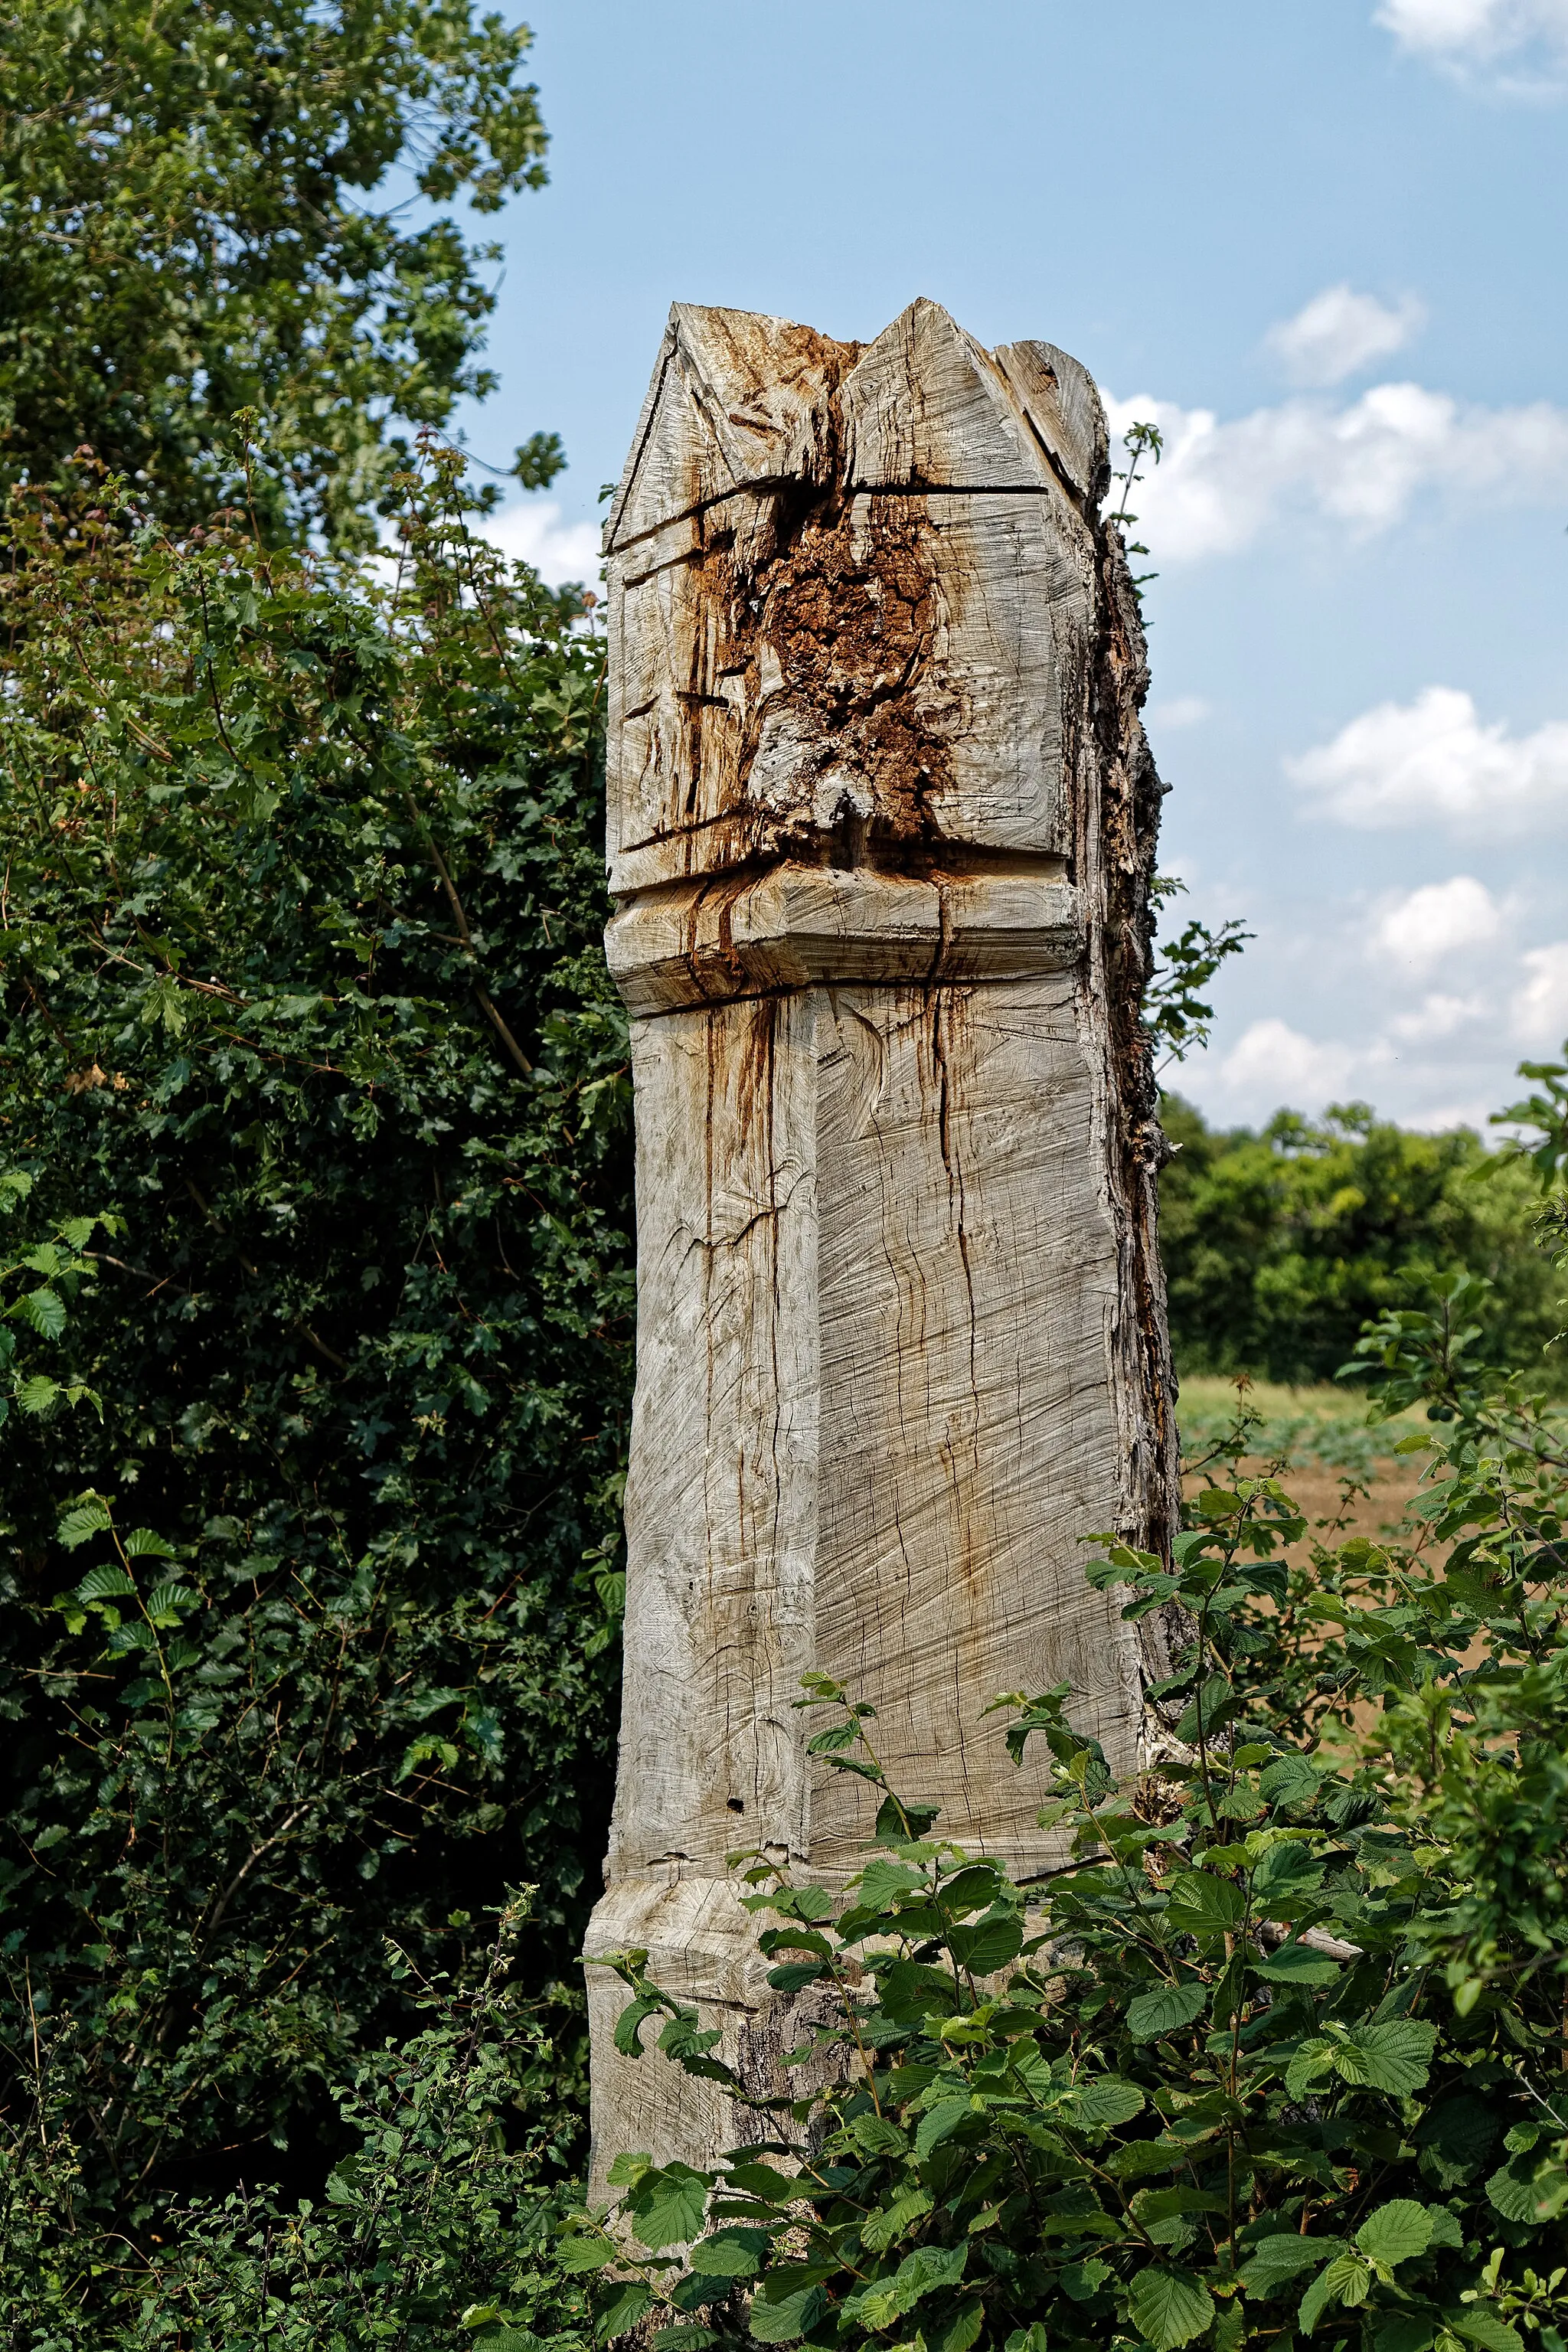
[836, 622]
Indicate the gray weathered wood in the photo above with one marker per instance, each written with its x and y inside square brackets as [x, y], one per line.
[881, 824]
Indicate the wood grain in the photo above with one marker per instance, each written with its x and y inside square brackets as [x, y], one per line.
[881, 824]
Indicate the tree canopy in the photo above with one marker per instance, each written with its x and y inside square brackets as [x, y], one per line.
[206, 208]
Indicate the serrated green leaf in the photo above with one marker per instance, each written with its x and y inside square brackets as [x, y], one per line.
[957, 2333]
[1203, 1904]
[786, 2321]
[165, 1601]
[984, 1949]
[1475, 2324]
[879, 2135]
[1526, 2189]
[793, 1976]
[731, 2253]
[1295, 1964]
[1166, 2009]
[1347, 2280]
[1396, 2233]
[885, 2227]
[88, 1517]
[668, 2205]
[1090, 2222]
[941, 2121]
[882, 1882]
[1284, 1875]
[127, 1638]
[1105, 2099]
[1395, 2055]
[1153, 2206]
[108, 1583]
[142, 1543]
[1169, 2308]
[1273, 2261]
[622, 2312]
[578, 2254]
[761, 2182]
[44, 1309]
[630, 2022]
[920, 2274]
[837, 1737]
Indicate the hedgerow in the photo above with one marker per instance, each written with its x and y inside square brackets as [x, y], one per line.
[303, 1010]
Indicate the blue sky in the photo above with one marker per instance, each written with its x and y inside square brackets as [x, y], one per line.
[1320, 242]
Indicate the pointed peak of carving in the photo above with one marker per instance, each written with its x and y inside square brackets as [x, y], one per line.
[738, 399]
[930, 406]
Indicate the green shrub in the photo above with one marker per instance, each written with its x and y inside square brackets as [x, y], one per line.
[1279, 2052]
[301, 986]
[441, 2200]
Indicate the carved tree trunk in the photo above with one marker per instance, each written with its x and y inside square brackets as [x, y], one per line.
[881, 827]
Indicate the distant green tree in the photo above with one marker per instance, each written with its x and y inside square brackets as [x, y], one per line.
[204, 209]
[1279, 1245]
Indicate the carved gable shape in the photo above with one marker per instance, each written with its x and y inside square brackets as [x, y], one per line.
[929, 407]
[737, 400]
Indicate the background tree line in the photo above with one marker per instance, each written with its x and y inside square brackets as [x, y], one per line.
[1280, 1243]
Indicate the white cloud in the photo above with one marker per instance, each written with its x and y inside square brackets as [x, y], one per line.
[1339, 332]
[1440, 919]
[1432, 762]
[1272, 1060]
[1474, 31]
[1539, 1008]
[530, 531]
[1217, 485]
[1436, 1017]
[1182, 710]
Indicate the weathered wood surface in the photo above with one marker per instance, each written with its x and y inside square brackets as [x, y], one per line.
[881, 824]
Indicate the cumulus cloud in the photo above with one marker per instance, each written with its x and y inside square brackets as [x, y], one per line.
[1438, 1015]
[530, 531]
[1475, 31]
[1339, 332]
[1440, 919]
[1181, 710]
[1273, 1062]
[1539, 1006]
[1218, 485]
[1433, 762]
